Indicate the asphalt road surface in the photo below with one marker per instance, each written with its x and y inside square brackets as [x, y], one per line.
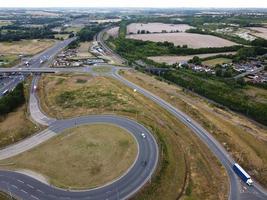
[47, 55]
[25, 187]
[238, 190]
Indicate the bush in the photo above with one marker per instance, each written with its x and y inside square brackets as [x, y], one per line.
[12, 100]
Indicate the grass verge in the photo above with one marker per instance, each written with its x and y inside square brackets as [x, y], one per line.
[93, 156]
[244, 139]
[16, 125]
[185, 163]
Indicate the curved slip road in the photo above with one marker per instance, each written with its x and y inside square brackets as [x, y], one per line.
[238, 190]
[24, 187]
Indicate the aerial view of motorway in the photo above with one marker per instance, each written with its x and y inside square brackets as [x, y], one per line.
[111, 100]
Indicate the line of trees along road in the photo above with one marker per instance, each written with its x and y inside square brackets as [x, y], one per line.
[12, 100]
[227, 93]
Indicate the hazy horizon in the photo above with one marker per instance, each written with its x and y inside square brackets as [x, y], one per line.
[132, 4]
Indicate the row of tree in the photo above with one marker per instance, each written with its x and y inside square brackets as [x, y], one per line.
[12, 100]
[227, 93]
[31, 33]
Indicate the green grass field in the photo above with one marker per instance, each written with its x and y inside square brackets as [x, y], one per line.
[8, 60]
[216, 61]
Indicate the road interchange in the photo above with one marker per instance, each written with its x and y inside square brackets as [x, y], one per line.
[236, 186]
[25, 187]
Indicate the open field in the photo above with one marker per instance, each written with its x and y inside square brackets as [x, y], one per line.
[157, 27]
[73, 29]
[187, 168]
[191, 39]
[5, 22]
[215, 61]
[25, 47]
[42, 13]
[259, 32]
[93, 156]
[113, 32]
[16, 125]
[83, 50]
[101, 21]
[8, 60]
[177, 59]
[61, 36]
[243, 138]
[258, 94]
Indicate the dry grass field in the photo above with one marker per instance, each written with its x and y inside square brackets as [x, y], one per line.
[25, 47]
[259, 32]
[113, 32]
[187, 168]
[177, 59]
[215, 61]
[101, 21]
[191, 39]
[93, 156]
[157, 27]
[16, 125]
[83, 50]
[244, 139]
[5, 22]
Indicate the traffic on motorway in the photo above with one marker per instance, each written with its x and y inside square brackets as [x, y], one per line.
[237, 175]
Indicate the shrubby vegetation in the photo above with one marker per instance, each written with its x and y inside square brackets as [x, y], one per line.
[87, 33]
[137, 49]
[12, 100]
[228, 93]
[29, 33]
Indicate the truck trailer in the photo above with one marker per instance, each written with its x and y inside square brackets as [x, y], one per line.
[242, 174]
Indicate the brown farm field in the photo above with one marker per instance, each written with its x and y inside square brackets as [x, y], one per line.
[156, 27]
[176, 59]
[25, 47]
[113, 32]
[192, 40]
[259, 31]
[187, 169]
[244, 139]
[83, 51]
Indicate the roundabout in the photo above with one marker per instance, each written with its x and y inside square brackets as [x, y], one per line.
[25, 187]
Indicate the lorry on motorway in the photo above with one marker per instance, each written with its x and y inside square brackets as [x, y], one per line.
[242, 174]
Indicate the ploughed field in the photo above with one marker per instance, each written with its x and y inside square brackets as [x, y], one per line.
[177, 59]
[156, 27]
[259, 32]
[192, 40]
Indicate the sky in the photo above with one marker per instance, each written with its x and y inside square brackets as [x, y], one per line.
[135, 3]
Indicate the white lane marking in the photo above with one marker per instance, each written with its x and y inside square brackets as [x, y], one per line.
[14, 186]
[24, 191]
[40, 191]
[30, 186]
[34, 197]
[20, 181]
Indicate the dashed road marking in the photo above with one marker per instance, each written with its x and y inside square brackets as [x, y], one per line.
[34, 197]
[40, 191]
[20, 181]
[14, 186]
[30, 186]
[24, 191]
